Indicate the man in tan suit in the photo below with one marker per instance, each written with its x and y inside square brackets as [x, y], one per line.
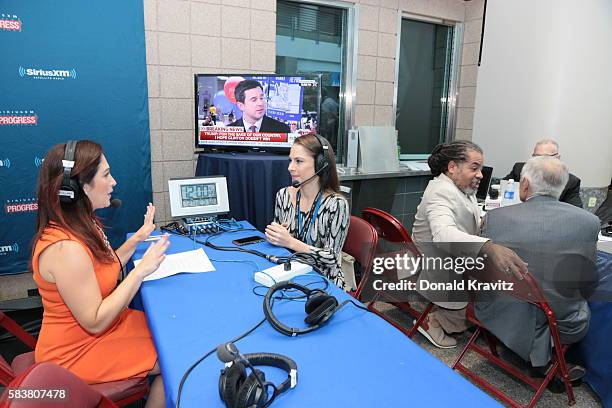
[447, 225]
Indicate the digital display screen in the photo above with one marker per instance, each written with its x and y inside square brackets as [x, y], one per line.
[198, 195]
[289, 108]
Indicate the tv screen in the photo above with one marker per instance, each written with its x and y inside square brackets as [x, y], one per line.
[255, 112]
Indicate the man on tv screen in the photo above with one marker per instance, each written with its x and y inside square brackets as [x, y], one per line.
[252, 102]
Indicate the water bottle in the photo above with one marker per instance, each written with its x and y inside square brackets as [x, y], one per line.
[508, 194]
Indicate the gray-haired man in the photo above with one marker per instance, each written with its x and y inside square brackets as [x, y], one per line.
[558, 242]
[548, 147]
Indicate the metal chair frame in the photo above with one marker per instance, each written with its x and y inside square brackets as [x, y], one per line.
[399, 234]
[528, 290]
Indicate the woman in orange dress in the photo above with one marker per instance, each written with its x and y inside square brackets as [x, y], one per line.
[87, 326]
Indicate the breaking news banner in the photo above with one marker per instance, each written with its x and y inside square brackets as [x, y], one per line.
[235, 136]
[57, 87]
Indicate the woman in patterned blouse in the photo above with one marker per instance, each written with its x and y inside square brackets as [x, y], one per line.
[320, 226]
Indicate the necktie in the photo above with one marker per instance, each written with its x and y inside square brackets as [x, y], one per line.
[253, 129]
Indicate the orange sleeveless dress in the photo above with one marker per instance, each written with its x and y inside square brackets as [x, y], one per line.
[125, 350]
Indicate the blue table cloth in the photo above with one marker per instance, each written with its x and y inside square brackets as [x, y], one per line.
[594, 350]
[252, 182]
[356, 360]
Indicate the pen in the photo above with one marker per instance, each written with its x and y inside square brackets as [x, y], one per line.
[153, 238]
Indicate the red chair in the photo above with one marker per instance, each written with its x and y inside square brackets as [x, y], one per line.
[390, 229]
[361, 242]
[121, 392]
[64, 390]
[528, 290]
[22, 361]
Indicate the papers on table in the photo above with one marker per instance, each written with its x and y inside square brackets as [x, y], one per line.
[194, 261]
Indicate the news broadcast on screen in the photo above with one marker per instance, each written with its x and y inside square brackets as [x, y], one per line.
[277, 109]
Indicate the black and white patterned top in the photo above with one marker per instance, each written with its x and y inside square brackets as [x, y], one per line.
[326, 237]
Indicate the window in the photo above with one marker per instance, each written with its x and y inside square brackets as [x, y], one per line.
[426, 87]
[314, 38]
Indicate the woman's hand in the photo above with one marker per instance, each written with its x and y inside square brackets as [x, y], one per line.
[147, 226]
[153, 257]
[278, 234]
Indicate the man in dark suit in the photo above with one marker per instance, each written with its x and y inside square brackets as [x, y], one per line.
[252, 102]
[558, 242]
[549, 147]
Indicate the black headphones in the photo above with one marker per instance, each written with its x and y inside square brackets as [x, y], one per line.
[239, 390]
[320, 307]
[69, 190]
[322, 161]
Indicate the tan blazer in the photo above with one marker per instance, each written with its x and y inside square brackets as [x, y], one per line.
[447, 223]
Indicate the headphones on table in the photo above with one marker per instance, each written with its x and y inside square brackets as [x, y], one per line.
[69, 190]
[239, 390]
[320, 307]
[321, 161]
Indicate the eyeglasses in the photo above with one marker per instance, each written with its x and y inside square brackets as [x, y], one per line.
[548, 155]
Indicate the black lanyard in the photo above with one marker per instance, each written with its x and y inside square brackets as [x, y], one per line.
[303, 232]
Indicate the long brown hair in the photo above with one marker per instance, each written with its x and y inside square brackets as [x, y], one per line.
[329, 177]
[78, 217]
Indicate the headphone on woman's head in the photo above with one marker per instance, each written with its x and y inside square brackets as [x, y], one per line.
[69, 190]
[322, 161]
[320, 307]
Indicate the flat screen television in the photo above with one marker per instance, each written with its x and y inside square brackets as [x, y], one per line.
[232, 112]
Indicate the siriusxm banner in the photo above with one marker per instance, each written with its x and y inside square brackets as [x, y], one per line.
[70, 70]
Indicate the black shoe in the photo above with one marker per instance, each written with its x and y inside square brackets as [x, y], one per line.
[556, 386]
[575, 372]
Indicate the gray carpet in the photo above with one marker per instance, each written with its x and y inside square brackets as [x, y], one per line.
[585, 398]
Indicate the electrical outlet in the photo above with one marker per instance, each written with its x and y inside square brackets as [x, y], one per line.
[592, 201]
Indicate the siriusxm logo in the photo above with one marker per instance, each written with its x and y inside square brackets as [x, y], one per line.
[38, 73]
[5, 163]
[38, 161]
[9, 248]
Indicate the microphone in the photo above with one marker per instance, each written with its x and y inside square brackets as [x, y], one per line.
[297, 184]
[228, 352]
[115, 203]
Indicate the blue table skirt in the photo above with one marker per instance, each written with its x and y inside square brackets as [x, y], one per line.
[594, 350]
[356, 360]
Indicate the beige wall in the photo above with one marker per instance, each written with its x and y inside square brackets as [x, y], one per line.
[466, 101]
[185, 37]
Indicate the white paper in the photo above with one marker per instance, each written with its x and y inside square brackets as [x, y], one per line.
[194, 261]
